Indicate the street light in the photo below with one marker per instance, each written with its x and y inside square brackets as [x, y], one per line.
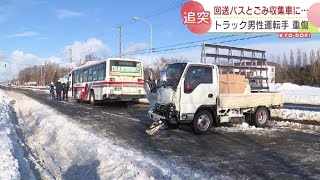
[140, 19]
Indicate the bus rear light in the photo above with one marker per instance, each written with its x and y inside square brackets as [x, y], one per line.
[140, 80]
[112, 80]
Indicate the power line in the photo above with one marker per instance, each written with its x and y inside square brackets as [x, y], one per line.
[157, 12]
[180, 44]
[185, 43]
[187, 47]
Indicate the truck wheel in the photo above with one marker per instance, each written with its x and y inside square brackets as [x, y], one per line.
[202, 122]
[92, 98]
[261, 117]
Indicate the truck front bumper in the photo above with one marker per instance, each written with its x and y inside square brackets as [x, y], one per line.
[155, 116]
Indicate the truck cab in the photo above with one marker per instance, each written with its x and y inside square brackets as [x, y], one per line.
[188, 93]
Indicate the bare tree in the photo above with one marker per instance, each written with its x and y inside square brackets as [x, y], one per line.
[299, 59]
[312, 57]
[291, 59]
[90, 57]
[279, 74]
[285, 67]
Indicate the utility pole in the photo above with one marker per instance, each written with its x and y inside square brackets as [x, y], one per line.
[120, 40]
[70, 59]
[45, 64]
[41, 75]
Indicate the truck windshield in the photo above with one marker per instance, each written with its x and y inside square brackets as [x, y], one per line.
[173, 73]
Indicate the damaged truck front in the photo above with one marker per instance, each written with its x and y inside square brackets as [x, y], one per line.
[189, 93]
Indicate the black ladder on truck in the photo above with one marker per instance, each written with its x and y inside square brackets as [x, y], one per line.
[238, 60]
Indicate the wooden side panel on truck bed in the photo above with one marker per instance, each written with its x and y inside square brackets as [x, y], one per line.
[250, 100]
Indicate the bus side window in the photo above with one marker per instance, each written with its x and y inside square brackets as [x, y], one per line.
[95, 73]
[90, 75]
[85, 75]
[101, 70]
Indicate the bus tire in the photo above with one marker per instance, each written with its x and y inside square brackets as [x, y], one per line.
[202, 122]
[92, 98]
[261, 117]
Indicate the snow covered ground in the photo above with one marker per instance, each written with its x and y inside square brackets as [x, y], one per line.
[291, 114]
[273, 126]
[66, 149]
[298, 94]
[60, 148]
[13, 163]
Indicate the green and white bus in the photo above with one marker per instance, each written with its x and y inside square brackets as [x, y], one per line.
[113, 79]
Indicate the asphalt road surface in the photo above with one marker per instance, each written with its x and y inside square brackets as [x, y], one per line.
[278, 154]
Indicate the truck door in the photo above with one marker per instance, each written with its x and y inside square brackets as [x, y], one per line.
[199, 88]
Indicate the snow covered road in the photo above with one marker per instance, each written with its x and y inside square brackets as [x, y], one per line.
[73, 140]
[69, 150]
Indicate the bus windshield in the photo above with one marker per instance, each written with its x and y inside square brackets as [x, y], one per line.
[125, 68]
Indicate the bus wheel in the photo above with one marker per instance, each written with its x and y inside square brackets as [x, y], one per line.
[92, 99]
[202, 122]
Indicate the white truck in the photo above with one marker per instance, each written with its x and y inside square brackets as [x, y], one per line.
[188, 93]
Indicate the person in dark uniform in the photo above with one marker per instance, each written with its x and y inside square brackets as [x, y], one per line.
[66, 90]
[52, 91]
[63, 90]
[58, 90]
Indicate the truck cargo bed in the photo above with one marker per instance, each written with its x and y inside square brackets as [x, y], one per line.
[250, 100]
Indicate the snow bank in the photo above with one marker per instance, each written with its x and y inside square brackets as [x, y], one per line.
[296, 114]
[67, 149]
[9, 165]
[13, 161]
[244, 127]
[298, 94]
[273, 126]
[305, 128]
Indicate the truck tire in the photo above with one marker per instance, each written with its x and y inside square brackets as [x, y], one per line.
[202, 122]
[261, 117]
[92, 98]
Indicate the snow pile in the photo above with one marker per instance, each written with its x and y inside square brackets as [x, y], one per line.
[67, 150]
[296, 114]
[9, 165]
[297, 94]
[310, 129]
[244, 127]
[273, 126]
